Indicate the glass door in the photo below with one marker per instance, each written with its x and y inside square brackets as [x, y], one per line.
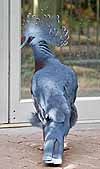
[83, 53]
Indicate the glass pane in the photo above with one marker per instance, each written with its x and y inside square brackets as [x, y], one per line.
[83, 52]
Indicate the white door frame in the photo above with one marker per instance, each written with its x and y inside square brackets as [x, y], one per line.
[4, 55]
[19, 110]
[88, 107]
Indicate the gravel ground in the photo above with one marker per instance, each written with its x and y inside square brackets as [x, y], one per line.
[19, 149]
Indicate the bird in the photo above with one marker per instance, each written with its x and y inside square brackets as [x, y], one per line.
[53, 86]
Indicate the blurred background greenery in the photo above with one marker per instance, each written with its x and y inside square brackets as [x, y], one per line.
[82, 18]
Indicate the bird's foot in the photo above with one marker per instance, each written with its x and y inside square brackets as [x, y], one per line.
[40, 148]
[66, 147]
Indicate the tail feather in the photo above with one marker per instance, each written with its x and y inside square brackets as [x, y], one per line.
[54, 142]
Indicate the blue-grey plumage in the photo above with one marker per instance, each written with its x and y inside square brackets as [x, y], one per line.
[54, 88]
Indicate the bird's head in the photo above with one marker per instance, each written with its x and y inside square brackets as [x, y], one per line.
[44, 28]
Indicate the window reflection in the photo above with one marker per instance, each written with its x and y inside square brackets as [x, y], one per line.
[83, 52]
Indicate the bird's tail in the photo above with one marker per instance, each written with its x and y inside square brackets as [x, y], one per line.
[54, 142]
[74, 116]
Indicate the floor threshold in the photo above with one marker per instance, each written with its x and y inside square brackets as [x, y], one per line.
[83, 124]
[15, 125]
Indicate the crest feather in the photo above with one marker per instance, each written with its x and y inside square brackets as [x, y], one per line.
[48, 28]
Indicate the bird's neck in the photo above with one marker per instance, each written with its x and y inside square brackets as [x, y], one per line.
[42, 54]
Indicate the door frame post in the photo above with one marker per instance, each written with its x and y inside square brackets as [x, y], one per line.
[4, 60]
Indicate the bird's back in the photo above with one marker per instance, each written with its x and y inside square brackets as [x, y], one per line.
[54, 77]
[49, 85]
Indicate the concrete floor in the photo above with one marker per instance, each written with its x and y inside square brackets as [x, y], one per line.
[19, 148]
